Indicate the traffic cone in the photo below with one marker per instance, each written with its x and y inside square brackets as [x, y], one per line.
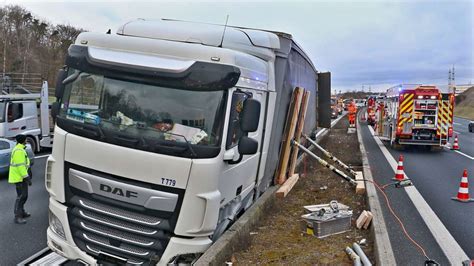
[456, 144]
[463, 192]
[400, 174]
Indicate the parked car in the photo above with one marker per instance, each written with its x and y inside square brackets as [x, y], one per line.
[360, 103]
[471, 126]
[6, 147]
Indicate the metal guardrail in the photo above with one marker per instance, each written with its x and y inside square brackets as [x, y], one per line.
[20, 82]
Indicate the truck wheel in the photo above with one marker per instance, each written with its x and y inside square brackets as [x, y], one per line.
[32, 143]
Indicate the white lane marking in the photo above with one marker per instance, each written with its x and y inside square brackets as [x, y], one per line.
[459, 133]
[459, 124]
[446, 241]
[41, 156]
[463, 154]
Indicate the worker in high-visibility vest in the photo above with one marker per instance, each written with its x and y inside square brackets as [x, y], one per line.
[20, 175]
[352, 113]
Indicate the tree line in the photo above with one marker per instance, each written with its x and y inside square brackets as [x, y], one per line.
[29, 44]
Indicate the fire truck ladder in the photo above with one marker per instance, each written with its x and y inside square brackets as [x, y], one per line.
[443, 118]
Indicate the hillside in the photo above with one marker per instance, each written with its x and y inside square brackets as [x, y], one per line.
[29, 44]
[465, 104]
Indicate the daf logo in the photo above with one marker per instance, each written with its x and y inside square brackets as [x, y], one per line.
[118, 191]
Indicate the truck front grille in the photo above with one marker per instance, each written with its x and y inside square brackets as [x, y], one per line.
[119, 232]
[99, 229]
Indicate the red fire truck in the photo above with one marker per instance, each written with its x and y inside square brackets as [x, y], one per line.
[371, 107]
[414, 114]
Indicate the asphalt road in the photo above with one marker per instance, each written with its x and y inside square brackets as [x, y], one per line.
[466, 138]
[18, 242]
[436, 175]
[404, 251]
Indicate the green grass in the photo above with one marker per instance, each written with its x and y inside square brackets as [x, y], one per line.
[464, 112]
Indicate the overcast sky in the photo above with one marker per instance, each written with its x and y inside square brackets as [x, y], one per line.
[376, 43]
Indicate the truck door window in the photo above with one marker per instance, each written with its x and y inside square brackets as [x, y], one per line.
[235, 132]
[15, 111]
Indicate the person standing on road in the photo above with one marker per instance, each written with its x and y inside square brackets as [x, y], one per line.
[20, 175]
[352, 113]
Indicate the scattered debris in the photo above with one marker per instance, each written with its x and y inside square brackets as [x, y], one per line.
[364, 220]
[361, 254]
[353, 256]
[363, 242]
[326, 219]
[253, 233]
[323, 188]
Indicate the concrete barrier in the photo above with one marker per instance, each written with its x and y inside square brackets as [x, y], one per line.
[383, 248]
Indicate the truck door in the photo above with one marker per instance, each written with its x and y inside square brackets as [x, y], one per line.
[239, 178]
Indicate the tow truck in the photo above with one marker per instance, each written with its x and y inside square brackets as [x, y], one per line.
[25, 112]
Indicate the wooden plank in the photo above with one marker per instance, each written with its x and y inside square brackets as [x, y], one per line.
[369, 219]
[287, 186]
[289, 133]
[299, 129]
[360, 188]
[361, 220]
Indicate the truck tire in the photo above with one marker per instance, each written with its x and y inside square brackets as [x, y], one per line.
[30, 140]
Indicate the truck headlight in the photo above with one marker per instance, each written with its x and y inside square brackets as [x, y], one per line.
[56, 225]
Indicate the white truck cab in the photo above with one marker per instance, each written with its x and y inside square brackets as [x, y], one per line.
[166, 132]
[27, 114]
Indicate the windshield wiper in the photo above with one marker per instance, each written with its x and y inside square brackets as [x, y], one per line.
[193, 153]
[71, 78]
[91, 129]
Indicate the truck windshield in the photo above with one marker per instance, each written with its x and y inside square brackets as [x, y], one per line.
[144, 116]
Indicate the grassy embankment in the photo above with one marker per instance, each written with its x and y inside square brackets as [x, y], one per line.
[465, 104]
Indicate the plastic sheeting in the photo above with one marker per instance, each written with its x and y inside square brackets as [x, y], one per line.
[292, 69]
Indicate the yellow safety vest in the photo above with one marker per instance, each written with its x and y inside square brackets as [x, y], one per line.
[19, 164]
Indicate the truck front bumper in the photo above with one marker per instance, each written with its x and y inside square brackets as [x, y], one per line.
[68, 249]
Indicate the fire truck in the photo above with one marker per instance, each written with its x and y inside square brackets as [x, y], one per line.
[414, 114]
[371, 107]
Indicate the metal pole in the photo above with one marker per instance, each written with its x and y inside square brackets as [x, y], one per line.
[324, 163]
[361, 254]
[354, 257]
[330, 156]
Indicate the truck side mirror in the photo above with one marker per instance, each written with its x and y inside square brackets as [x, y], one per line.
[247, 146]
[250, 115]
[62, 73]
[55, 110]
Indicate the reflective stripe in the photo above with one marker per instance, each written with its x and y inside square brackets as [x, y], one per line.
[18, 164]
[25, 176]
